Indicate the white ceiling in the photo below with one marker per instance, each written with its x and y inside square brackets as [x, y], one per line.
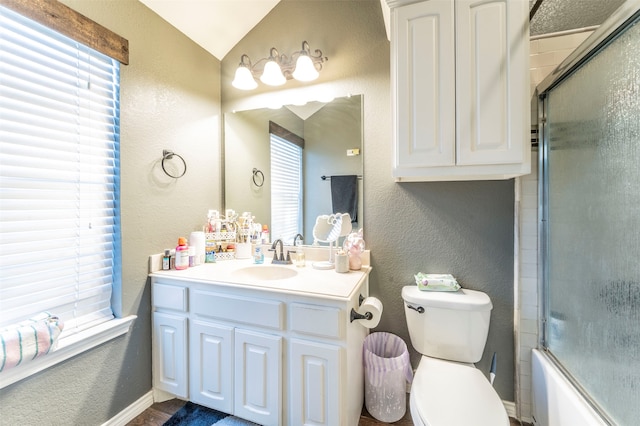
[215, 25]
[218, 25]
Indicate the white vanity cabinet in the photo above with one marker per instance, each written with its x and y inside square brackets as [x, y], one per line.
[170, 338]
[211, 365]
[460, 89]
[315, 383]
[258, 377]
[236, 353]
[271, 356]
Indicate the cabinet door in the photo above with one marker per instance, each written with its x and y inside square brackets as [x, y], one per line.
[423, 72]
[211, 365]
[170, 353]
[492, 81]
[258, 379]
[314, 390]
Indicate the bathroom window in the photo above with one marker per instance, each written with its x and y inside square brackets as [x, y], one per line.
[59, 176]
[286, 186]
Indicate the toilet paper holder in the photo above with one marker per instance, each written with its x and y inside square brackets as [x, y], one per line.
[358, 316]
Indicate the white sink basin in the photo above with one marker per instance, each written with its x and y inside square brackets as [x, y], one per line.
[265, 272]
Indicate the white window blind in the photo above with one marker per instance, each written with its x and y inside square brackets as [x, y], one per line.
[59, 176]
[286, 189]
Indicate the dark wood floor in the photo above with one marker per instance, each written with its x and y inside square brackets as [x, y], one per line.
[160, 412]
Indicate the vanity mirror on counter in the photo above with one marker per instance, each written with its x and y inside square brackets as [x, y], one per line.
[330, 137]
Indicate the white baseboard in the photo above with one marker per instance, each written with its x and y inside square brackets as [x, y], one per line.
[162, 396]
[129, 413]
[144, 402]
[527, 420]
[510, 406]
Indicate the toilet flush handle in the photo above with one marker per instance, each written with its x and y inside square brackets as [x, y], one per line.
[419, 309]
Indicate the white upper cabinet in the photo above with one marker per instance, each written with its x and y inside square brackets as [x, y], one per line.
[460, 83]
[424, 81]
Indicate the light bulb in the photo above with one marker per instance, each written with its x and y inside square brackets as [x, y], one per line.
[305, 71]
[272, 74]
[243, 79]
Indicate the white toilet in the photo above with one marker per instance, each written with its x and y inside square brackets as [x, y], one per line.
[450, 330]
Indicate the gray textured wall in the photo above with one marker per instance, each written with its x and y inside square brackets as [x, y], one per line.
[170, 98]
[462, 228]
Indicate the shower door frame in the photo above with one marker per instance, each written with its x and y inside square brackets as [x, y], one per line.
[617, 23]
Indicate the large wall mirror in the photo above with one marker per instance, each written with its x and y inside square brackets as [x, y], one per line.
[332, 147]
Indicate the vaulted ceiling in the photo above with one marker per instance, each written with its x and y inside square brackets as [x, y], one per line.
[218, 25]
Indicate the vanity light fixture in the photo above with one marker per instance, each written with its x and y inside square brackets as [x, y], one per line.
[277, 69]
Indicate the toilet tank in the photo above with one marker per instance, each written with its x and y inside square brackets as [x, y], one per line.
[448, 325]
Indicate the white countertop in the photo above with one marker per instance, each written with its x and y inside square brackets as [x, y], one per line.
[306, 281]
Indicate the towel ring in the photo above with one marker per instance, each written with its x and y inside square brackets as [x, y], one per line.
[260, 176]
[168, 155]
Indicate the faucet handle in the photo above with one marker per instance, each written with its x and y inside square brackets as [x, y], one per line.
[288, 257]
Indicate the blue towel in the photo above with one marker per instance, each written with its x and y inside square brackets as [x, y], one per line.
[344, 195]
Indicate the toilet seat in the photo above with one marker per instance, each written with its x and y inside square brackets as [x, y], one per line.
[447, 393]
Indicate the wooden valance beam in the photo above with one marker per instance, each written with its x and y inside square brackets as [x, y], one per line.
[285, 134]
[67, 21]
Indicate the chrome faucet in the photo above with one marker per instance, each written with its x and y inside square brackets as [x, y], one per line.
[298, 236]
[279, 260]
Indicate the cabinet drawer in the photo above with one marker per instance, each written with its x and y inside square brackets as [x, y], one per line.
[170, 297]
[245, 310]
[316, 320]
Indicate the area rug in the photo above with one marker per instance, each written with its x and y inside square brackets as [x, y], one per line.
[196, 415]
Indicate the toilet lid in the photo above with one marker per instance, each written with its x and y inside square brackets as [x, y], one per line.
[447, 393]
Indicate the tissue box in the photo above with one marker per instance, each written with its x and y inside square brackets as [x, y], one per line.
[436, 282]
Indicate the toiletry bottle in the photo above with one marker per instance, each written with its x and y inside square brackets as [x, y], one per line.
[166, 260]
[210, 252]
[210, 226]
[300, 261]
[192, 256]
[258, 255]
[265, 234]
[182, 254]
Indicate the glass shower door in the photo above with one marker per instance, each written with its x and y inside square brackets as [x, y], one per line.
[592, 213]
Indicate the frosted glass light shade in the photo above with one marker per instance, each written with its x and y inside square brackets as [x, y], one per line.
[243, 79]
[272, 74]
[305, 71]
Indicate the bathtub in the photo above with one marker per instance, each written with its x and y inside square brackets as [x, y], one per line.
[555, 401]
